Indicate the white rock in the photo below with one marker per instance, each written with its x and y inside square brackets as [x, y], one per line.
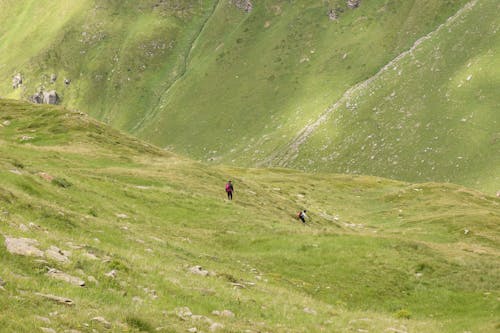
[23, 246]
[215, 327]
[310, 311]
[58, 275]
[55, 253]
[112, 274]
[192, 330]
[102, 321]
[47, 330]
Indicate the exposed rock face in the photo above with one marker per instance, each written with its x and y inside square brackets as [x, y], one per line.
[17, 80]
[353, 3]
[245, 5]
[50, 97]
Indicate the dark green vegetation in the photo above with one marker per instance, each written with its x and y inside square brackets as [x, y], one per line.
[378, 255]
[208, 80]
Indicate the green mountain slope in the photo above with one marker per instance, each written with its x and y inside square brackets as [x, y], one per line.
[216, 83]
[377, 254]
[431, 115]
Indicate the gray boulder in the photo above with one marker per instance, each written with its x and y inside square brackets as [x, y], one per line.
[50, 97]
[37, 98]
[17, 80]
[353, 3]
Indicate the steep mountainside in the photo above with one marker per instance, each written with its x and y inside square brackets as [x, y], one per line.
[317, 85]
[81, 203]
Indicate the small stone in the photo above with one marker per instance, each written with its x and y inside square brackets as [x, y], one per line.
[44, 319]
[58, 275]
[56, 254]
[192, 330]
[121, 216]
[466, 231]
[215, 327]
[198, 270]
[47, 330]
[310, 311]
[53, 78]
[17, 80]
[102, 321]
[183, 312]
[23, 227]
[57, 299]
[92, 279]
[2, 282]
[112, 274]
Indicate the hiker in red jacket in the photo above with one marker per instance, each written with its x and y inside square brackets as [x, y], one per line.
[229, 190]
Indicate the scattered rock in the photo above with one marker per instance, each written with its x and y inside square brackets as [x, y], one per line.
[53, 78]
[56, 254]
[198, 270]
[332, 15]
[2, 282]
[310, 311]
[223, 313]
[57, 299]
[238, 285]
[498, 194]
[245, 5]
[50, 97]
[192, 330]
[37, 98]
[112, 274]
[47, 330]
[67, 81]
[58, 275]
[17, 80]
[23, 227]
[6, 123]
[353, 3]
[26, 138]
[23, 247]
[183, 312]
[44, 319]
[215, 327]
[122, 216]
[90, 256]
[45, 176]
[101, 321]
[92, 279]
[466, 231]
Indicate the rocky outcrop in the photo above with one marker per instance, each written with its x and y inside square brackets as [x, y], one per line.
[245, 5]
[17, 81]
[45, 97]
[353, 3]
[50, 97]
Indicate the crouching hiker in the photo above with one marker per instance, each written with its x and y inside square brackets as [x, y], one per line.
[229, 190]
[302, 216]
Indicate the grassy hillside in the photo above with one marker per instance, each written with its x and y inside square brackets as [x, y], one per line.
[214, 82]
[431, 115]
[377, 255]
